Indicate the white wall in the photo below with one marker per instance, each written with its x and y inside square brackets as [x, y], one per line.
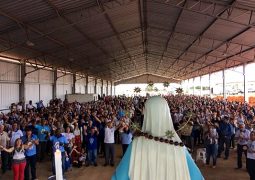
[80, 85]
[64, 85]
[38, 85]
[9, 84]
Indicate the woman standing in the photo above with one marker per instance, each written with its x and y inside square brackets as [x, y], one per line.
[19, 159]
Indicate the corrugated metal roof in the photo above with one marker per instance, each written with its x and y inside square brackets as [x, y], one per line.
[118, 39]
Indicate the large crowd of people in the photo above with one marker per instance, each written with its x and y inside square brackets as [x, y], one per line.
[82, 131]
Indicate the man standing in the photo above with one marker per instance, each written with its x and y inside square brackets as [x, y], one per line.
[92, 147]
[43, 130]
[225, 133]
[30, 153]
[4, 140]
[109, 143]
[243, 136]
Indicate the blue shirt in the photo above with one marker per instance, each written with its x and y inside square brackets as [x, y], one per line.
[225, 130]
[32, 150]
[92, 142]
[42, 132]
[58, 142]
[126, 138]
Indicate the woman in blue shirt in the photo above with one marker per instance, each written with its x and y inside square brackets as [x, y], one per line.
[126, 137]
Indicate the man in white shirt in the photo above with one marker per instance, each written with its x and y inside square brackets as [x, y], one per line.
[15, 134]
[242, 135]
[109, 143]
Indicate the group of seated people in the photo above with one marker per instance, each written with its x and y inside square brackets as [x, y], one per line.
[81, 131]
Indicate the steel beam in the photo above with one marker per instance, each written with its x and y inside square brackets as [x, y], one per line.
[81, 32]
[101, 6]
[200, 35]
[142, 6]
[171, 34]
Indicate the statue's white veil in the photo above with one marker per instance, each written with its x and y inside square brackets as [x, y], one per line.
[153, 160]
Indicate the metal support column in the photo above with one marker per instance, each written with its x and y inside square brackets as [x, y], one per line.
[107, 88]
[245, 84]
[74, 83]
[95, 87]
[200, 78]
[22, 97]
[193, 86]
[224, 84]
[102, 87]
[55, 78]
[87, 85]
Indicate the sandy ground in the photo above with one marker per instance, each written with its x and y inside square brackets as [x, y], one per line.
[224, 170]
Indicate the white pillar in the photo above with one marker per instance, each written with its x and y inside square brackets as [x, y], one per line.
[210, 91]
[193, 86]
[111, 89]
[224, 84]
[245, 84]
[200, 85]
[107, 88]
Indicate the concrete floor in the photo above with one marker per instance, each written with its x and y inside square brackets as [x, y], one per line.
[224, 170]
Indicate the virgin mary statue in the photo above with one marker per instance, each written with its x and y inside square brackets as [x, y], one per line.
[152, 156]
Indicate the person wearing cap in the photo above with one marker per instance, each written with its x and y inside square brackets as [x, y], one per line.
[30, 153]
[92, 146]
[4, 141]
[242, 135]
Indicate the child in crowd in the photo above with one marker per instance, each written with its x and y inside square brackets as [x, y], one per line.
[80, 157]
[92, 147]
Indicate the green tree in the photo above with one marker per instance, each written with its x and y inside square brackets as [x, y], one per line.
[166, 84]
[137, 90]
[179, 90]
